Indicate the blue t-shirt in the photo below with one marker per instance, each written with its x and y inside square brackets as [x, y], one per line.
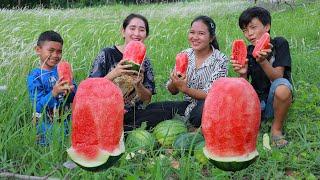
[40, 84]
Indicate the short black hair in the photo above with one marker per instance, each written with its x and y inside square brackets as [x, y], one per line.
[126, 21]
[49, 36]
[254, 12]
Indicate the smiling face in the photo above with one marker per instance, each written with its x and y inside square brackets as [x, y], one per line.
[50, 53]
[136, 30]
[254, 30]
[199, 36]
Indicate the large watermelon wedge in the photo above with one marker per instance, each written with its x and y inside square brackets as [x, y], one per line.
[97, 124]
[134, 53]
[181, 64]
[239, 51]
[230, 124]
[262, 43]
[65, 70]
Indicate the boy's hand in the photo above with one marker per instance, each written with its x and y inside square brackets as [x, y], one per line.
[60, 87]
[120, 69]
[263, 54]
[238, 68]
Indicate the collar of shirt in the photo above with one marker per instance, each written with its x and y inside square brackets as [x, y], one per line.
[208, 62]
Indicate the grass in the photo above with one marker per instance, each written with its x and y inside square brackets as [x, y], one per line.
[87, 30]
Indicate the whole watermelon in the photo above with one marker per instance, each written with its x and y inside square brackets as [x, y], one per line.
[187, 141]
[167, 131]
[97, 125]
[230, 124]
[140, 139]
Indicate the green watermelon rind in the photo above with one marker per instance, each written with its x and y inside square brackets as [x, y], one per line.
[110, 162]
[231, 163]
[141, 139]
[198, 153]
[103, 160]
[167, 131]
[135, 67]
[187, 141]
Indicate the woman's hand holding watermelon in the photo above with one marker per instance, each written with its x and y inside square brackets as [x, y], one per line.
[119, 70]
[138, 79]
[180, 83]
[239, 68]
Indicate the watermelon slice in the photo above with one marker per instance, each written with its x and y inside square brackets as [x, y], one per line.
[230, 124]
[97, 124]
[134, 53]
[181, 64]
[65, 70]
[262, 43]
[239, 51]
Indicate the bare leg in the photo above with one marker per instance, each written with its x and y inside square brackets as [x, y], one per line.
[281, 104]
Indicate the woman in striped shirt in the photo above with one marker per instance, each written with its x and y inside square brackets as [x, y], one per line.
[206, 64]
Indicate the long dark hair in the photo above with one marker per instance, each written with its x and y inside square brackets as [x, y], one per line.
[127, 20]
[211, 28]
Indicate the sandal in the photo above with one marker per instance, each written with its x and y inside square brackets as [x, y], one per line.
[279, 141]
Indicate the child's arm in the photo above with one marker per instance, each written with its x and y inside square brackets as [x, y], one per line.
[39, 96]
[272, 72]
[72, 92]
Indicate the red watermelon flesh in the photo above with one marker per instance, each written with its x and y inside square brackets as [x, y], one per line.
[181, 63]
[65, 70]
[230, 121]
[262, 43]
[239, 51]
[97, 122]
[135, 51]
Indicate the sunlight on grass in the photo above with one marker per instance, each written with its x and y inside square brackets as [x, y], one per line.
[86, 31]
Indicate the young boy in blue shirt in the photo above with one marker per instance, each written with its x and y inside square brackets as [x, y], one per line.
[47, 92]
[270, 71]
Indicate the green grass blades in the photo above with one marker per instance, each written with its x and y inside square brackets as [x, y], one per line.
[86, 31]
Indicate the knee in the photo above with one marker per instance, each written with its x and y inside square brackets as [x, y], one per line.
[283, 93]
